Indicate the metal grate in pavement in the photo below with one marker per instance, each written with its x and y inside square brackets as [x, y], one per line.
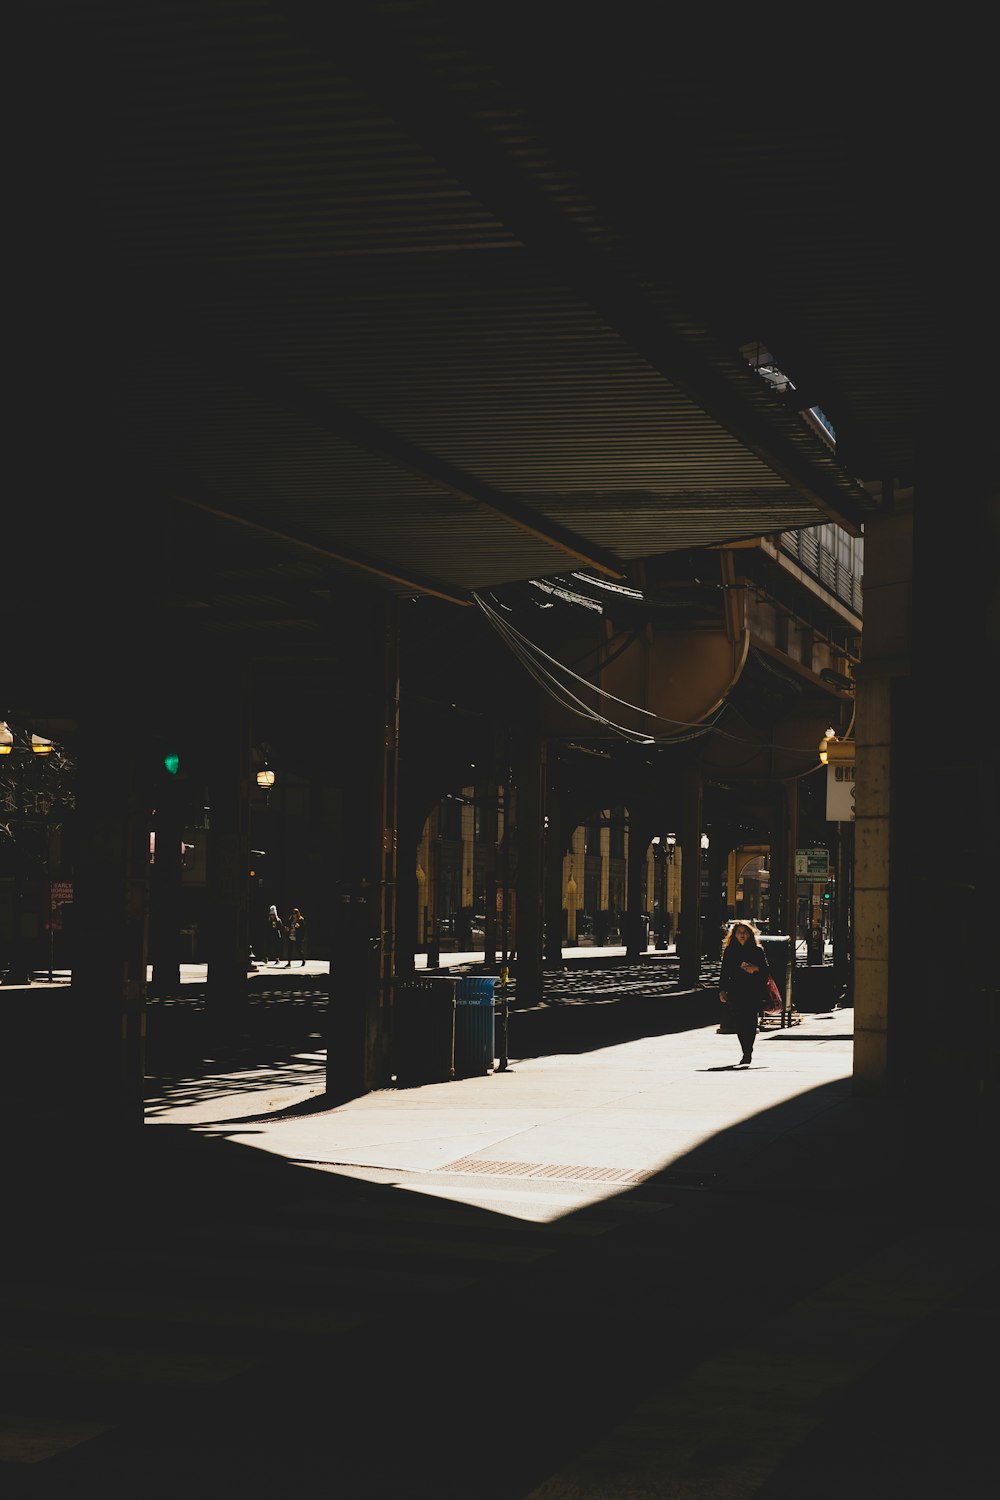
[481, 1166]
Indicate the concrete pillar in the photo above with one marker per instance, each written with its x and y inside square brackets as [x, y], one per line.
[882, 712]
[943, 805]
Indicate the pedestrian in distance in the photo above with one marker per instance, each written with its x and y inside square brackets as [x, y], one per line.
[743, 980]
[275, 936]
[295, 932]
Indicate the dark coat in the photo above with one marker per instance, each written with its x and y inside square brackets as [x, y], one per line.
[744, 991]
[295, 930]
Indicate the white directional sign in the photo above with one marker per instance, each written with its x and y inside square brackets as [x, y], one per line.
[840, 794]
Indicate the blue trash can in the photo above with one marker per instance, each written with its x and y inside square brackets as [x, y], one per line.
[475, 1030]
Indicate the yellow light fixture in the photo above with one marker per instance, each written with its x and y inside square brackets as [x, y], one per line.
[840, 753]
[265, 779]
[835, 752]
[39, 745]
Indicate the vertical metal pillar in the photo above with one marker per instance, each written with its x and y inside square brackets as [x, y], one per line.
[105, 1031]
[529, 778]
[844, 899]
[489, 825]
[227, 747]
[107, 641]
[165, 894]
[505, 775]
[639, 834]
[552, 864]
[359, 1015]
[716, 859]
[689, 939]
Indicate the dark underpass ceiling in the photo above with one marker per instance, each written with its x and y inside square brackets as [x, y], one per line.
[445, 298]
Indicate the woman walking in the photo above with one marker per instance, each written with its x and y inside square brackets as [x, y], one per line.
[743, 980]
[275, 936]
[295, 931]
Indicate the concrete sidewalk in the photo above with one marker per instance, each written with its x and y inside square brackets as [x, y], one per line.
[591, 1124]
[617, 1272]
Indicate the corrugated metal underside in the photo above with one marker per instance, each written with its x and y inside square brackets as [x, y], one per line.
[338, 343]
[580, 431]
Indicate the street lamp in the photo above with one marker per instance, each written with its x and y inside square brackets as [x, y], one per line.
[265, 779]
[39, 745]
[670, 893]
[659, 893]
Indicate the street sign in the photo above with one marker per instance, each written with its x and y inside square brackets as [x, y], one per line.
[840, 786]
[812, 864]
[60, 895]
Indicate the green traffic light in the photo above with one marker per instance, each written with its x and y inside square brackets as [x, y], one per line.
[172, 761]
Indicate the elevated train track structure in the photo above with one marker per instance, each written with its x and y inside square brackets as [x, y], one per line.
[335, 320]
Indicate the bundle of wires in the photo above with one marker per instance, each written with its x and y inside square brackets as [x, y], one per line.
[560, 682]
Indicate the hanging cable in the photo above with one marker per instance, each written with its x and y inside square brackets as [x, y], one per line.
[538, 664]
[533, 658]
